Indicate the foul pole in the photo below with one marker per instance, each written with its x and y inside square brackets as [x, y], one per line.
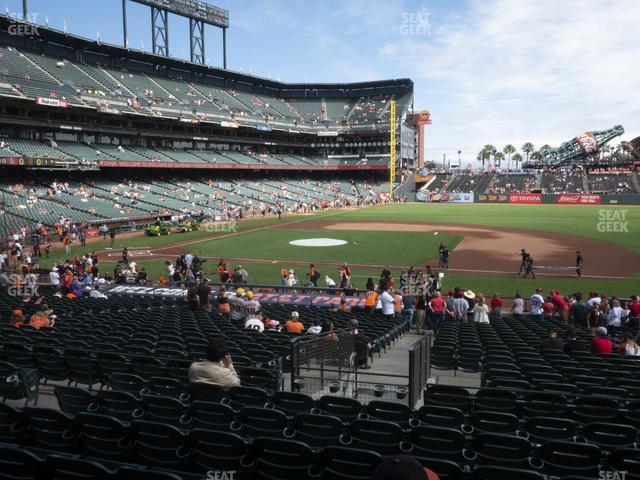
[392, 147]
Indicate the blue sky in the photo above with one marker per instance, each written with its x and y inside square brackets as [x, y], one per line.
[490, 71]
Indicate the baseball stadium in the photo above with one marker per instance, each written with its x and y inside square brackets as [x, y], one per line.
[209, 274]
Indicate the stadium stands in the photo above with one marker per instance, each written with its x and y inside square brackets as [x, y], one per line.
[538, 414]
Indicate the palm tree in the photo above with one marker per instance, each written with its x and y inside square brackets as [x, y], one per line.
[508, 151]
[488, 152]
[480, 157]
[499, 157]
[517, 158]
[537, 156]
[528, 149]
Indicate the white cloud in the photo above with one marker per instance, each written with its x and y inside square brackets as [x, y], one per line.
[511, 71]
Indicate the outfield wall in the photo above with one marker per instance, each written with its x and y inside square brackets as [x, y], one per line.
[531, 198]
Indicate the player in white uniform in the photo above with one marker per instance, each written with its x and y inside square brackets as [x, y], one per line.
[236, 305]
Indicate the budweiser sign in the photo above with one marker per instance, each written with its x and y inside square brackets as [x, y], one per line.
[525, 198]
[578, 199]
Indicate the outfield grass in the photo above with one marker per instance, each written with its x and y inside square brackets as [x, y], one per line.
[394, 248]
[579, 220]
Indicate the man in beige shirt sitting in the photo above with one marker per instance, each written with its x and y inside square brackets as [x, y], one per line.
[216, 368]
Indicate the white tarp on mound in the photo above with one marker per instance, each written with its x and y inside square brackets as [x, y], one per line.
[317, 242]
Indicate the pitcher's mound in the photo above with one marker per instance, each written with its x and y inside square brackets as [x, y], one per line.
[317, 242]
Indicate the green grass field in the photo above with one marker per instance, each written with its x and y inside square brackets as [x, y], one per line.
[256, 239]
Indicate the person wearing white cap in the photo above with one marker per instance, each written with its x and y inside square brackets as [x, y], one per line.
[54, 278]
[292, 280]
[601, 344]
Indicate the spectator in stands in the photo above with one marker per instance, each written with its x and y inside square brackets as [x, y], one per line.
[617, 315]
[327, 328]
[204, 295]
[601, 344]
[460, 306]
[560, 304]
[495, 305]
[480, 310]
[217, 367]
[344, 308]
[254, 323]
[315, 328]
[573, 345]
[628, 346]
[551, 342]
[294, 325]
[397, 303]
[547, 308]
[421, 312]
[579, 311]
[536, 305]
[634, 307]
[370, 298]
[437, 309]
[387, 301]
[42, 318]
[17, 317]
[361, 345]
[223, 303]
[236, 305]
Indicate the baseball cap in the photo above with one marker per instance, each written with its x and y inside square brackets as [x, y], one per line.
[602, 330]
[240, 292]
[538, 290]
[274, 324]
[249, 294]
[295, 314]
[403, 467]
[354, 323]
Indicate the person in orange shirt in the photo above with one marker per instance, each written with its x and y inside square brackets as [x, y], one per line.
[223, 302]
[370, 299]
[397, 303]
[294, 324]
[41, 319]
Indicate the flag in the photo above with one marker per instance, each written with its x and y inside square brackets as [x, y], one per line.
[65, 26]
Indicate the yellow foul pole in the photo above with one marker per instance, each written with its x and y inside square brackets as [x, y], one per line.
[392, 147]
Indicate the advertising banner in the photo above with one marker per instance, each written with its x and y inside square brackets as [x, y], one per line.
[436, 197]
[52, 102]
[492, 198]
[525, 198]
[578, 199]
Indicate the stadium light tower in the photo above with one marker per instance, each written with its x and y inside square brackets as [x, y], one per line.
[198, 13]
